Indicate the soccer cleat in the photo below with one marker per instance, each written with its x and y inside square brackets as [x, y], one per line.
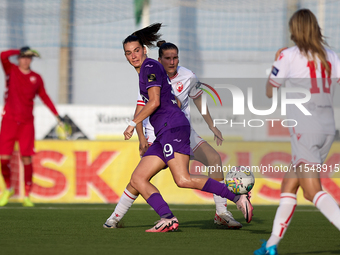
[27, 202]
[244, 205]
[111, 223]
[165, 225]
[227, 219]
[5, 196]
[272, 250]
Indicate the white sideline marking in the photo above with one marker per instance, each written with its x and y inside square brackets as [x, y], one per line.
[132, 209]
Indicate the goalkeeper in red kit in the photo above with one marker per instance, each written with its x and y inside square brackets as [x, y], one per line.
[22, 85]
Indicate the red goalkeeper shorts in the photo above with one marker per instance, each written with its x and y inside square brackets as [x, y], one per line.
[12, 131]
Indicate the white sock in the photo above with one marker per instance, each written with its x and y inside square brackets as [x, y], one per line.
[283, 217]
[221, 203]
[328, 207]
[124, 204]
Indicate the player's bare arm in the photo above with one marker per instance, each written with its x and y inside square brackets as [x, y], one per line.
[207, 117]
[178, 102]
[143, 143]
[269, 89]
[148, 109]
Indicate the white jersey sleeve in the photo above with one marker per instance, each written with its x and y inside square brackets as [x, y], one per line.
[195, 85]
[296, 70]
[280, 70]
[148, 128]
[140, 100]
[184, 86]
[337, 67]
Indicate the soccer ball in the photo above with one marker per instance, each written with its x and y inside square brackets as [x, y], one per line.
[240, 180]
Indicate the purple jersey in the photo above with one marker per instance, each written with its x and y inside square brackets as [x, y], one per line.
[168, 115]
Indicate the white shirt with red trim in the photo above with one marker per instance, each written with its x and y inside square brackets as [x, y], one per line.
[146, 121]
[184, 85]
[295, 70]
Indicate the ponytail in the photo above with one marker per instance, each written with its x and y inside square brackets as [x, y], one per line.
[145, 36]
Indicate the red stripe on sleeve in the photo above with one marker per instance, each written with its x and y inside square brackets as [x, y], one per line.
[197, 95]
[140, 102]
[274, 83]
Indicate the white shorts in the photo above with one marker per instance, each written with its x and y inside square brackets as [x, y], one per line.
[150, 135]
[195, 139]
[310, 149]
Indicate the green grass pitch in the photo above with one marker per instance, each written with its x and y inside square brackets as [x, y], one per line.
[77, 229]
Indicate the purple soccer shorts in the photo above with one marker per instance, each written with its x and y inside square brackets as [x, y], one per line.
[170, 141]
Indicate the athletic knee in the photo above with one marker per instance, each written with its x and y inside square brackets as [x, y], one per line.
[134, 182]
[131, 189]
[183, 183]
[289, 185]
[137, 181]
[214, 160]
[309, 195]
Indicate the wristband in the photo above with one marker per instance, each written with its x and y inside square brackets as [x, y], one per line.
[132, 123]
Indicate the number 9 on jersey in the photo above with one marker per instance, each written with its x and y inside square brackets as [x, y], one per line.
[168, 150]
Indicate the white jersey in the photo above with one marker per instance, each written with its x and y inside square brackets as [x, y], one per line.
[184, 85]
[295, 70]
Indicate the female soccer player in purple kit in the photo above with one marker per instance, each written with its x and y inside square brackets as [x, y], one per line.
[172, 129]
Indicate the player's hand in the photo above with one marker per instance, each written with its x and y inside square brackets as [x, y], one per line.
[63, 130]
[143, 146]
[278, 53]
[128, 132]
[217, 135]
[60, 120]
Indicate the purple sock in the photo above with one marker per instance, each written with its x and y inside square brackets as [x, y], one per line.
[157, 202]
[213, 186]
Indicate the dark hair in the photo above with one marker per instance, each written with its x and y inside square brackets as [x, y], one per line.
[163, 45]
[145, 36]
[24, 49]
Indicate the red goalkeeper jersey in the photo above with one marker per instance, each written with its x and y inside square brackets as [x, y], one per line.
[21, 90]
